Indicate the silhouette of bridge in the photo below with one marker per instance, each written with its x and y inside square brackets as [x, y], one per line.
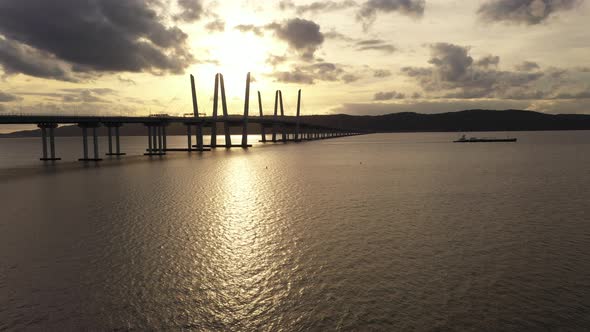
[280, 128]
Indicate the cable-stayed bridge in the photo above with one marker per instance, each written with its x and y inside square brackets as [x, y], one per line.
[277, 126]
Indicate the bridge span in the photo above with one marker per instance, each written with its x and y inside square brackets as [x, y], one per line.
[280, 128]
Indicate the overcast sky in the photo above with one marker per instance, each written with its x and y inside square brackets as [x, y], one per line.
[133, 57]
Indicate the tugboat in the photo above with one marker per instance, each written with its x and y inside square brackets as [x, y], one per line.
[464, 139]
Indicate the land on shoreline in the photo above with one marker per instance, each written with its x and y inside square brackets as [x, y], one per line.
[461, 121]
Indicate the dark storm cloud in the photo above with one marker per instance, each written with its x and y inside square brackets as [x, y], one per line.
[381, 96]
[381, 73]
[369, 10]
[375, 45]
[192, 10]
[455, 74]
[7, 97]
[523, 11]
[88, 36]
[317, 6]
[217, 25]
[303, 36]
[18, 58]
[527, 66]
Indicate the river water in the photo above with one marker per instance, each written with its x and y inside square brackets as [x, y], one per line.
[385, 232]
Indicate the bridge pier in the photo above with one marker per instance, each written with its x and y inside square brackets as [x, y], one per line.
[189, 137]
[110, 127]
[45, 127]
[283, 129]
[200, 143]
[246, 112]
[226, 127]
[85, 127]
[262, 127]
[155, 139]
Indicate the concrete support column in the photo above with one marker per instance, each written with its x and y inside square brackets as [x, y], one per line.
[215, 104]
[150, 147]
[200, 136]
[165, 144]
[246, 114]
[283, 132]
[118, 142]
[52, 142]
[95, 140]
[226, 127]
[189, 137]
[275, 118]
[47, 129]
[44, 138]
[85, 127]
[155, 138]
[262, 128]
[110, 134]
[159, 131]
[298, 120]
[85, 142]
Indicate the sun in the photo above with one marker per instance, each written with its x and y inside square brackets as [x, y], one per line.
[234, 54]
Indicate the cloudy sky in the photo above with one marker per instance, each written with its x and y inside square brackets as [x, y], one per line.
[133, 57]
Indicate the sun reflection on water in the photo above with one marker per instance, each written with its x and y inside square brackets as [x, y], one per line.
[246, 257]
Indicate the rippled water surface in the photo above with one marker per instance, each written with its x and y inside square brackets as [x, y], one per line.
[379, 232]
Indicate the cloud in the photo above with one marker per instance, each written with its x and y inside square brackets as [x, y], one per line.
[575, 95]
[527, 66]
[217, 25]
[388, 95]
[338, 36]
[259, 31]
[7, 97]
[317, 6]
[369, 10]
[301, 35]
[275, 60]
[527, 12]
[375, 45]
[192, 10]
[428, 107]
[127, 81]
[349, 78]
[75, 95]
[455, 75]
[18, 58]
[77, 37]
[309, 74]
[381, 73]
[85, 96]
[488, 61]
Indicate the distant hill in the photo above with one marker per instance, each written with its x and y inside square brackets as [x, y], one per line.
[464, 121]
